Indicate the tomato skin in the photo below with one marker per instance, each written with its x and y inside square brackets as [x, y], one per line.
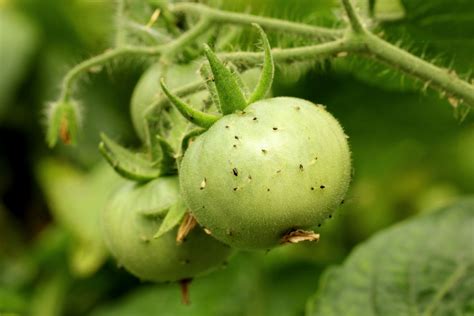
[251, 178]
[129, 228]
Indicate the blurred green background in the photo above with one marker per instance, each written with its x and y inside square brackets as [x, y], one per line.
[411, 152]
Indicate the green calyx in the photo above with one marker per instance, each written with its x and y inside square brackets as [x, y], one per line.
[225, 89]
[137, 166]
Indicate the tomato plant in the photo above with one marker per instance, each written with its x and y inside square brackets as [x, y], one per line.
[296, 130]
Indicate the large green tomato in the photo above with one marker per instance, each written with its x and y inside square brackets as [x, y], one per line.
[253, 177]
[133, 216]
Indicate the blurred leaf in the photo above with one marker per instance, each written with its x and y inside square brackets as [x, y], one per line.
[76, 200]
[231, 292]
[50, 294]
[423, 266]
[18, 42]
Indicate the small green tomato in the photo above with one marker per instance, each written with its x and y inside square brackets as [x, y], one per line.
[131, 219]
[280, 166]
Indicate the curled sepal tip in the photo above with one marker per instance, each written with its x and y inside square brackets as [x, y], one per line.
[127, 163]
[268, 71]
[231, 97]
[63, 121]
[194, 116]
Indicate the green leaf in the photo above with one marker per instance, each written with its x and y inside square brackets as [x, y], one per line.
[266, 77]
[172, 218]
[230, 95]
[233, 291]
[424, 266]
[128, 164]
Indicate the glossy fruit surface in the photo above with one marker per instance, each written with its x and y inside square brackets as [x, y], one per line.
[131, 219]
[281, 165]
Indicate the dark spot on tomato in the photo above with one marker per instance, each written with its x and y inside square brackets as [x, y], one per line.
[235, 189]
[278, 171]
[319, 225]
[255, 118]
[264, 151]
[301, 167]
[297, 108]
[322, 186]
[268, 189]
[275, 128]
[312, 188]
[342, 202]
[235, 146]
[236, 137]
[235, 172]
[250, 177]
[227, 126]
[330, 216]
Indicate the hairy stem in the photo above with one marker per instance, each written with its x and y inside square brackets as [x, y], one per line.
[167, 49]
[221, 16]
[99, 60]
[332, 48]
[432, 75]
[354, 18]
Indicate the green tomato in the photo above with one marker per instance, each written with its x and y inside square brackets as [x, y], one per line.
[281, 165]
[132, 217]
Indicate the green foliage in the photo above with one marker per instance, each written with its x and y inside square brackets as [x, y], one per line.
[423, 266]
[18, 42]
[76, 200]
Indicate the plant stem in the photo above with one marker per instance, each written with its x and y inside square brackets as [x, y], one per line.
[332, 48]
[354, 18]
[167, 49]
[432, 75]
[98, 60]
[187, 37]
[217, 15]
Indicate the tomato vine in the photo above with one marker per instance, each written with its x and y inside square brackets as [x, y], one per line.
[356, 39]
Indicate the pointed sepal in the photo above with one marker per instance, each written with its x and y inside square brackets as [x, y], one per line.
[209, 80]
[189, 137]
[266, 77]
[172, 219]
[196, 117]
[167, 162]
[127, 163]
[231, 97]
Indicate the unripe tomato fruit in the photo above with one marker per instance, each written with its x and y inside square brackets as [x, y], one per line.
[131, 219]
[281, 165]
